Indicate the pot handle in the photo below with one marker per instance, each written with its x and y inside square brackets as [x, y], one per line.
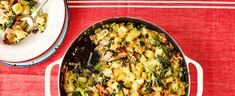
[199, 75]
[48, 76]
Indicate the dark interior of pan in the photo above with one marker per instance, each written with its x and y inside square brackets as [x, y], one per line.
[84, 43]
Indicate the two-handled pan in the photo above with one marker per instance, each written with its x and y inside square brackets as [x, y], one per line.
[83, 40]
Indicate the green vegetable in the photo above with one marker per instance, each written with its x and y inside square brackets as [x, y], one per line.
[167, 51]
[94, 83]
[82, 79]
[32, 3]
[110, 43]
[141, 42]
[148, 86]
[183, 78]
[112, 94]
[163, 73]
[160, 82]
[10, 23]
[168, 73]
[77, 93]
[163, 62]
[105, 80]
[157, 43]
[41, 22]
[120, 85]
[140, 26]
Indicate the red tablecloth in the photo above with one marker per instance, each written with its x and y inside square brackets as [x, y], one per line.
[206, 35]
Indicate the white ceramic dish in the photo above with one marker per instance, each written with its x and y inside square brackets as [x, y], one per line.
[37, 44]
[48, 53]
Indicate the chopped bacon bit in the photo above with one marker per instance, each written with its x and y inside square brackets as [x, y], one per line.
[122, 50]
[119, 56]
[1, 13]
[6, 41]
[108, 55]
[178, 55]
[102, 89]
[18, 22]
[99, 87]
[104, 42]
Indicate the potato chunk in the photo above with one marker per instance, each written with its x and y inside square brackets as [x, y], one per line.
[17, 8]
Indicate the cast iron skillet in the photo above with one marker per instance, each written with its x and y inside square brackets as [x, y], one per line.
[85, 47]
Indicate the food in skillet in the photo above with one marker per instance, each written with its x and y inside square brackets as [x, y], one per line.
[16, 22]
[135, 61]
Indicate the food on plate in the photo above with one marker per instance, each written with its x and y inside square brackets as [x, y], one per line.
[16, 22]
[134, 61]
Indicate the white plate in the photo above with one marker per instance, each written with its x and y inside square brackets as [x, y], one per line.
[47, 54]
[37, 44]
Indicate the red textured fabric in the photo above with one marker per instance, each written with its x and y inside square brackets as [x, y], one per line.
[205, 35]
